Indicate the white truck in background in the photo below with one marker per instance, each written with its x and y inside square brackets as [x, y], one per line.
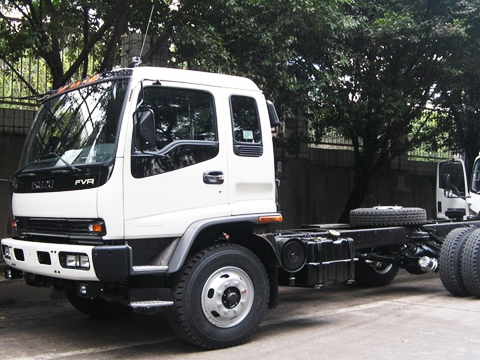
[149, 188]
[455, 198]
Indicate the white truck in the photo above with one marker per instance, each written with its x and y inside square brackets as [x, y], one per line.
[149, 188]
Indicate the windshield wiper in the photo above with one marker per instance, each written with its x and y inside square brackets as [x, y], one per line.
[53, 154]
[43, 157]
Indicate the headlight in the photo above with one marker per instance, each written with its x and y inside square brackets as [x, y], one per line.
[74, 261]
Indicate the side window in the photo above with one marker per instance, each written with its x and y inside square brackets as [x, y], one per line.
[247, 136]
[185, 130]
[455, 172]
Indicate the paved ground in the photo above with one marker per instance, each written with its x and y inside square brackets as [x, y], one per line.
[414, 318]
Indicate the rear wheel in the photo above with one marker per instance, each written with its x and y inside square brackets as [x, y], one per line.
[470, 266]
[97, 308]
[220, 296]
[450, 261]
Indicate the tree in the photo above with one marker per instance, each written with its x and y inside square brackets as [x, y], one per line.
[383, 75]
[276, 43]
[459, 97]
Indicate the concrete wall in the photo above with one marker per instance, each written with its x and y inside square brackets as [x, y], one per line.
[10, 150]
[313, 189]
[14, 125]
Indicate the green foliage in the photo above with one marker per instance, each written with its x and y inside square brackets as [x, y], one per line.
[459, 93]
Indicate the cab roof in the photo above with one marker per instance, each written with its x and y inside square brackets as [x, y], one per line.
[166, 74]
[194, 77]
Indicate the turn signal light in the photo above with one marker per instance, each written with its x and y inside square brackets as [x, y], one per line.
[95, 228]
[270, 219]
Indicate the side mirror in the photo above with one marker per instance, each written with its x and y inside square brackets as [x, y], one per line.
[272, 114]
[446, 182]
[145, 123]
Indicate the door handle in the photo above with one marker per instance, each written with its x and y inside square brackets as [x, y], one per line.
[213, 177]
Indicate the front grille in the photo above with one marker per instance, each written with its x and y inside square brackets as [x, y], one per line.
[69, 228]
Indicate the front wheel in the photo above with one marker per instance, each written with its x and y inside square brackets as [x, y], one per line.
[220, 297]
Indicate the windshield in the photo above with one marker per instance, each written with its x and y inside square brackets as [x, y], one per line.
[77, 127]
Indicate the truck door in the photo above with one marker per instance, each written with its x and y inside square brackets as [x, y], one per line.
[182, 177]
[250, 153]
[452, 190]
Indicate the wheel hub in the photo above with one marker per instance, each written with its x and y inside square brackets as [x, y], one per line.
[231, 297]
[227, 297]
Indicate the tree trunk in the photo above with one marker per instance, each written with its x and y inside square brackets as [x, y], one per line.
[365, 167]
[363, 172]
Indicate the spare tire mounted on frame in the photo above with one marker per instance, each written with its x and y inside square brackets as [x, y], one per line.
[388, 216]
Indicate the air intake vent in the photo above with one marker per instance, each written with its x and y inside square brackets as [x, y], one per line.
[248, 150]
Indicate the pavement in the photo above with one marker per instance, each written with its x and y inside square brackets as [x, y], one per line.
[413, 318]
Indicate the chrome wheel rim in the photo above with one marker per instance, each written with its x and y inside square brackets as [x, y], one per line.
[227, 297]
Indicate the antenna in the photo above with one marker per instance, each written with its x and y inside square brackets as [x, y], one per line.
[137, 60]
[146, 31]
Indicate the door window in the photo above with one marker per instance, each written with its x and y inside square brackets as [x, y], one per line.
[185, 130]
[454, 171]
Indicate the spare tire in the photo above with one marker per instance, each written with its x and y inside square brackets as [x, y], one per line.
[388, 216]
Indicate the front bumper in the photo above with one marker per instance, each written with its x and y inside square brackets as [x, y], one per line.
[44, 259]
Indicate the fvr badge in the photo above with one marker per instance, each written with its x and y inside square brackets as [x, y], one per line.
[85, 182]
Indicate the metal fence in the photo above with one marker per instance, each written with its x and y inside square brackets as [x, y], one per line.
[336, 142]
[21, 81]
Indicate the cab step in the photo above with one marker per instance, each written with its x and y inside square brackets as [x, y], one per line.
[149, 304]
[148, 269]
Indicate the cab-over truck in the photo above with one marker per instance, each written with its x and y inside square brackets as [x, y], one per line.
[148, 188]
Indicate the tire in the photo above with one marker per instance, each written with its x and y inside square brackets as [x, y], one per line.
[388, 216]
[375, 274]
[96, 308]
[470, 266]
[220, 297]
[450, 261]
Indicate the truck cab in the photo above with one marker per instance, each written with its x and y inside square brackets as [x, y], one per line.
[122, 172]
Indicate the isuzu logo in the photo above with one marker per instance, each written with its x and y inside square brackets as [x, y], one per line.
[42, 185]
[84, 182]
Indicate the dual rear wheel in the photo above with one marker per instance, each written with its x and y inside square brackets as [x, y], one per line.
[460, 262]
